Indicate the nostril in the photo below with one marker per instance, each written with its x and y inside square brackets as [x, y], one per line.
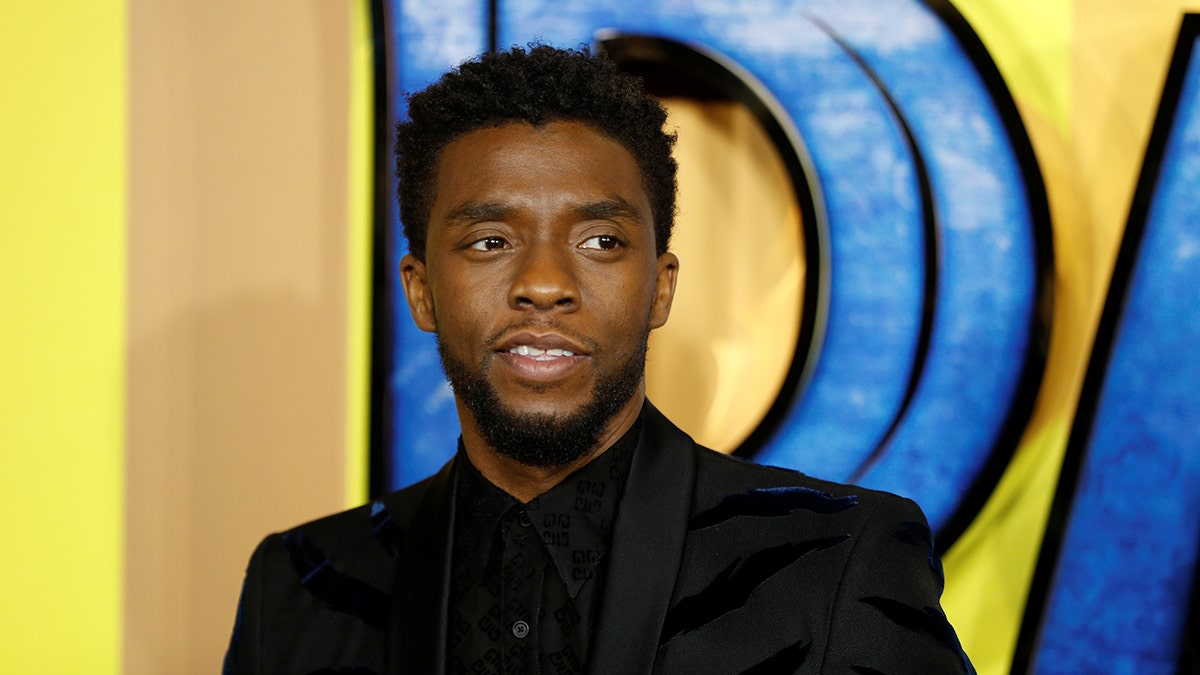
[544, 280]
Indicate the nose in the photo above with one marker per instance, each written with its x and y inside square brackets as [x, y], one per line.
[544, 280]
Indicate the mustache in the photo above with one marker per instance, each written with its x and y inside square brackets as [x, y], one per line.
[542, 326]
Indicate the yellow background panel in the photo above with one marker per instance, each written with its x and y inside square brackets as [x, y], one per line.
[62, 272]
[719, 363]
[1086, 76]
[360, 221]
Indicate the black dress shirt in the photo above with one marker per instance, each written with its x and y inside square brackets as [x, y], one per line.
[527, 577]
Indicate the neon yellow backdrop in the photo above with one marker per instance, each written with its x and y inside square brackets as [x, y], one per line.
[62, 341]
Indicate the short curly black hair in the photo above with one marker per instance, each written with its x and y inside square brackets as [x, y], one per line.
[541, 85]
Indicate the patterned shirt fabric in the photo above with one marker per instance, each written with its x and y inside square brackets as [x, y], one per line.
[527, 578]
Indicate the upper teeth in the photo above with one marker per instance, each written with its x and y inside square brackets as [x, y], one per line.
[526, 350]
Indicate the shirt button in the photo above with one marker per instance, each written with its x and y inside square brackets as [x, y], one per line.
[520, 629]
[523, 519]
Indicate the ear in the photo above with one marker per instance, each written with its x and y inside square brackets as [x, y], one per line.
[417, 292]
[664, 289]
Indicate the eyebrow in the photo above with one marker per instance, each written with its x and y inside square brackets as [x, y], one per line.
[473, 212]
[614, 208]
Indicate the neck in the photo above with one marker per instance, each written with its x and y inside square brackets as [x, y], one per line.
[526, 482]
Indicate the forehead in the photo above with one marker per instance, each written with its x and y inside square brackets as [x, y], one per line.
[522, 164]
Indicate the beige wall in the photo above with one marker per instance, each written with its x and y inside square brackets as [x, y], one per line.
[237, 303]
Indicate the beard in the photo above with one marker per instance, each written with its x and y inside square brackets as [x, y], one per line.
[544, 439]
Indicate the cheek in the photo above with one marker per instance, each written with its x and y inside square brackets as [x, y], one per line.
[626, 311]
[463, 310]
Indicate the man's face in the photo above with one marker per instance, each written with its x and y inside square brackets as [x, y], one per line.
[541, 281]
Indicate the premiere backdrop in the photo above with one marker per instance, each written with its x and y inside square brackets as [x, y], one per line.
[889, 322]
[930, 199]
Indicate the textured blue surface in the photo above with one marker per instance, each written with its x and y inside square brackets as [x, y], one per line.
[864, 172]
[985, 295]
[1119, 600]
[429, 39]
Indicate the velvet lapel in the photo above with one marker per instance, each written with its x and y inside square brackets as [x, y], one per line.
[417, 630]
[647, 549]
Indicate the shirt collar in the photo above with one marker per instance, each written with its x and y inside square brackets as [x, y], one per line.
[573, 519]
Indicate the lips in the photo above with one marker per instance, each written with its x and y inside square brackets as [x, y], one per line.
[540, 354]
[541, 357]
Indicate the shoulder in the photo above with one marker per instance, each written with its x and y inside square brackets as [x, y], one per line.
[721, 476]
[320, 593]
[344, 561]
[763, 501]
[747, 506]
[851, 568]
[361, 538]
[738, 505]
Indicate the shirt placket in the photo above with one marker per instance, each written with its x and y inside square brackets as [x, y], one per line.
[523, 571]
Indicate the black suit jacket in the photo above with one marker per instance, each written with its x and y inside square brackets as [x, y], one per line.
[716, 566]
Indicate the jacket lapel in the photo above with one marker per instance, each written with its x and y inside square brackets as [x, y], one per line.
[417, 630]
[647, 548]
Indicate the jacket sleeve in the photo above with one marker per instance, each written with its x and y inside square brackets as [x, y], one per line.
[887, 616]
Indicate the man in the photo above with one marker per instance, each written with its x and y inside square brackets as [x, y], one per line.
[577, 530]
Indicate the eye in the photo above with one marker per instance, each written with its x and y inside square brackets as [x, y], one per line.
[489, 244]
[601, 242]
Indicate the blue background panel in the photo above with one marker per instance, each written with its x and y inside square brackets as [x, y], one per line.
[1125, 572]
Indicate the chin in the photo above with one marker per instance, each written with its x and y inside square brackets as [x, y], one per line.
[547, 428]
[534, 407]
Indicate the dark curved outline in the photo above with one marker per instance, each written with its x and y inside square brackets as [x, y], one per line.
[1034, 367]
[383, 348]
[1189, 660]
[627, 50]
[933, 253]
[1106, 332]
